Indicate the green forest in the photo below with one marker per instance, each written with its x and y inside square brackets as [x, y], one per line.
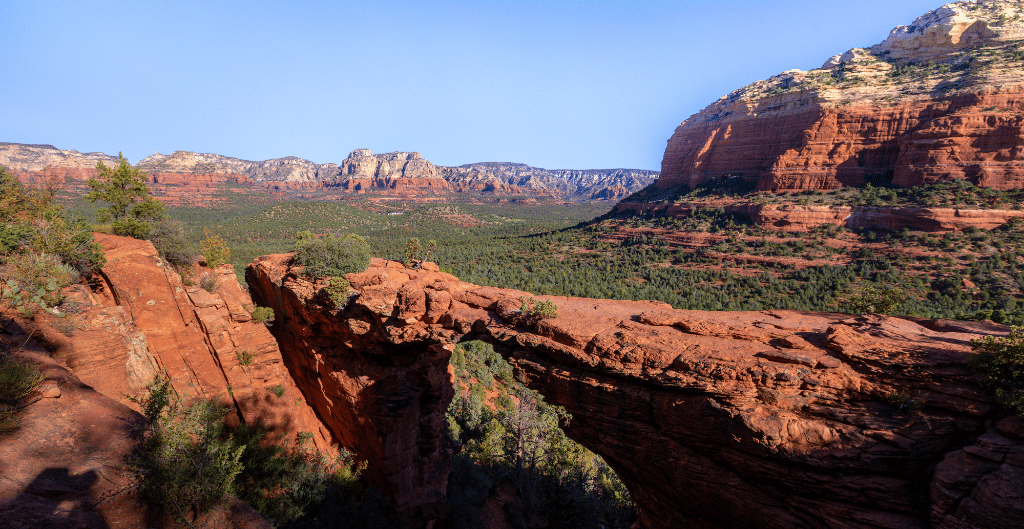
[707, 261]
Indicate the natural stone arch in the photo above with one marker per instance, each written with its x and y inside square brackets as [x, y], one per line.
[711, 419]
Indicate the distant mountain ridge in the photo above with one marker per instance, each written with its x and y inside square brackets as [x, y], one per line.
[362, 171]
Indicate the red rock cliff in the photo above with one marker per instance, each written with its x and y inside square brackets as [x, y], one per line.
[143, 320]
[933, 102]
[712, 419]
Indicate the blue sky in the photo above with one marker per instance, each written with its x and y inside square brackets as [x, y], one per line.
[580, 85]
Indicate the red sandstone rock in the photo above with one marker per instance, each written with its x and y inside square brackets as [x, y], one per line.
[815, 147]
[65, 466]
[804, 218]
[712, 419]
[145, 320]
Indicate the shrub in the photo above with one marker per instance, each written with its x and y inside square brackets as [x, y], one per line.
[209, 283]
[184, 463]
[1001, 361]
[17, 380]
[168, 237]
[339, 291]
[244, 358]
[538, 309]
[189, 459]
[215, 250]
[277, 390]
[412, 252]
[332, 256]
[872, 299]
[262, 314]
[30, 281]
[34, 222]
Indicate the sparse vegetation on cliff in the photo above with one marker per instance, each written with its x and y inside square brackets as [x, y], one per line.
[42, 248]
[332, 255]
[1001, 361]
[189, 459]
[510, 435]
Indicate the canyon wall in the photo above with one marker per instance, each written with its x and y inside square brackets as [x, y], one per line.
[143, 320]
[797, 218]
[941, 99]
[712, 419]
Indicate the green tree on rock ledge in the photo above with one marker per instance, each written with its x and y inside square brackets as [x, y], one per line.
[132, 209]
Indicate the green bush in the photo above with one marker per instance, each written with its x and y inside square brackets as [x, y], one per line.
[1001, 361]
[244, 358]
[30, 281]
[185, 463]
[34, 222]
[332, 256]
[532, 311]
[339, 291]
[262, 314]
[168, 237]
[17, 380]
[874, 299]
[215, 250]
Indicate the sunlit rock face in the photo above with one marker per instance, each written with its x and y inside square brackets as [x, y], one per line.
[940, 99]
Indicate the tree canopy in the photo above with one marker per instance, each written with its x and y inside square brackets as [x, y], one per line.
[132, 209]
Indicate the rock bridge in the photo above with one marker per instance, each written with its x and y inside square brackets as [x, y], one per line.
[711, 419]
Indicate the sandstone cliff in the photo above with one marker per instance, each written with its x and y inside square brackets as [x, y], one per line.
[64, 467]
[738, 419]
[143, 320]
[940, 99]
[798, 218]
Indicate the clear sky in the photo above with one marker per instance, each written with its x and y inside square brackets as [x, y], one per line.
[553, 84]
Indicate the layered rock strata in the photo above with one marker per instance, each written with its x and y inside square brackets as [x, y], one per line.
[942, 99]
[797, 218]
[712, 419]
[143, 320]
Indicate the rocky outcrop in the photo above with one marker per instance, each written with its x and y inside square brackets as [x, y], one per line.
[942, 99]
[144, 320]
[712, 419]
[797, 218]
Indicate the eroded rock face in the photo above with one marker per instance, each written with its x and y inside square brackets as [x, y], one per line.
[796, 218]
[712, 419]
[143, 320]
[882, 115]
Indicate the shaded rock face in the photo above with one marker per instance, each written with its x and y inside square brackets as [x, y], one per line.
[940, 99]
[64, 467]
[712, 419]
